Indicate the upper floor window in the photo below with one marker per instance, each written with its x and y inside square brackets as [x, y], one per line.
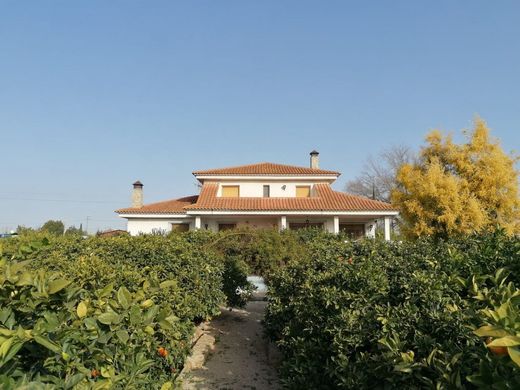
[230, 191]
[267, 191]
[303, 191]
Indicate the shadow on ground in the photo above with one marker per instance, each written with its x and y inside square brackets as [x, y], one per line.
[240, 359]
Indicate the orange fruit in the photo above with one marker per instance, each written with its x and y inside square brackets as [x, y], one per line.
[162, 352]
[497, 351]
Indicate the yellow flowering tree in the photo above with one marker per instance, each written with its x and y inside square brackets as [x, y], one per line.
[459, 188]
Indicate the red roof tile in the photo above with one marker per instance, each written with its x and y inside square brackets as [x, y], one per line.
[325, 200]
[175, 206]
[265, 169]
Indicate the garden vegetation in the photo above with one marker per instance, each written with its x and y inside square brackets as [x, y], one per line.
[401, 315]
[104, 313]
[119, 312]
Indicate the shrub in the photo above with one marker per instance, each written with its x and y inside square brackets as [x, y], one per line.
[106, 312]
[54, 332]
[92, 263]
[373, 314]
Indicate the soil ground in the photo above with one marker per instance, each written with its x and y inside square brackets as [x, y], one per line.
[240, 359]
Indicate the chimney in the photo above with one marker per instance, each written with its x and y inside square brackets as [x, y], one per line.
[315, 160]
[137, 195]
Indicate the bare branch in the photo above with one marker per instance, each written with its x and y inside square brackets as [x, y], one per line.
[377, 177]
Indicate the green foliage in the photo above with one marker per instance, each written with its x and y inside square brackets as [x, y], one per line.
[373, 314]
[54, 332]
[262, 250]
[501, 330]
[96, 261]
[73, 230]
[93, 313]
[53, 227]
[235, 285]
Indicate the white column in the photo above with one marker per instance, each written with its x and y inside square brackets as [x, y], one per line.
[282, 223]
[370, 229]
[198, 222]
[335, 225]
[387, 228]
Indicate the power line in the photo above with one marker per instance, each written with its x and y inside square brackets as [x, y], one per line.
[62, 200]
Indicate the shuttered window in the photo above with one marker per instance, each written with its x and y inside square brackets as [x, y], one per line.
[303, 191]
[230, 191]
[267, 191]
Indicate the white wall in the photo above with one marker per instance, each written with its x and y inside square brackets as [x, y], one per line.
[256, 189]
[146, 226]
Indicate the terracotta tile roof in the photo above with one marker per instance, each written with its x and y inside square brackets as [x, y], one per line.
[265, 169]
[175, 206]
[325, 200]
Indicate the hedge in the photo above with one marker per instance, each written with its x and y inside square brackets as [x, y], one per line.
[373, 314]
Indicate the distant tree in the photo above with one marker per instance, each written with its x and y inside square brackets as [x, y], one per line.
[73, 230]
[23, 230]
[459, 189]
[378, 176]
[54, 227]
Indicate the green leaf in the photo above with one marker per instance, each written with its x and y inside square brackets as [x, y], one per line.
[82, 309]
[108, 318]
[14, 345]
[146, 304]
[167, 386]
[47, 343]
[124, 297]
[168, 283]
[150, 314]
[502, 311]
[166, 325]
[490, 331]
[25, 279]
[6, 345]
[122, 335]
[107, 372]
[57, 285]
[73, 380]
[135, 315]
[514, 354]
[507, 341]
[105, 291]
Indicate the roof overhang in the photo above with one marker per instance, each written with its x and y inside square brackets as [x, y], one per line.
[154, 216]
[326, 178]
[292, 212]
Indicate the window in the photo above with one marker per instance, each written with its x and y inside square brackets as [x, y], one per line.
[226, 226]
[354, 231]
[230, 191]
[303, 191]
[180, 227]
[267, 191]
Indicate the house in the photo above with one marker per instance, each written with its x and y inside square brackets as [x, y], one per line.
[112, 233]
[263, 195]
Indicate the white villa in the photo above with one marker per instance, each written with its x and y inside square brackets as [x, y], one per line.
[263, 195]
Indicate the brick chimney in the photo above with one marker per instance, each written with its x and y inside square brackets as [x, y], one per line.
[315, 160]
[137, 195]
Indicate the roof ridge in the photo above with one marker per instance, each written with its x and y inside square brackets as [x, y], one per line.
[302, 169]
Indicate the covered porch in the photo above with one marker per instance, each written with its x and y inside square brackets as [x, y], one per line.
[356, 226]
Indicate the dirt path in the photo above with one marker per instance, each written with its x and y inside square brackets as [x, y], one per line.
[240, 358]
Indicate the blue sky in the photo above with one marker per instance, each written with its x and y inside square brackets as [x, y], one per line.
[95, 95]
